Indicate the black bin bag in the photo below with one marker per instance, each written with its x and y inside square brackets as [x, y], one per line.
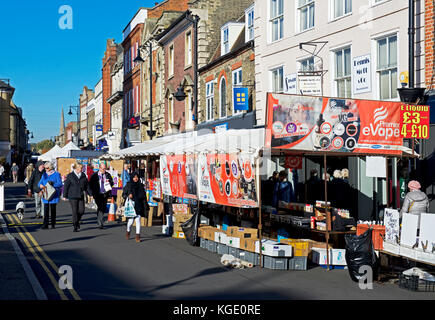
[360, 252]
[190, 228]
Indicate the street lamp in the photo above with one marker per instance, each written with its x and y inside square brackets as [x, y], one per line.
[77, 108]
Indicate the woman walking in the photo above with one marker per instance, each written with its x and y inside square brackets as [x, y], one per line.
[75, 187]
[135, 191]
[53, 178]
[28, 173]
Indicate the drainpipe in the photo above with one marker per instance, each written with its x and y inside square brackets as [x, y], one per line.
[411, 33]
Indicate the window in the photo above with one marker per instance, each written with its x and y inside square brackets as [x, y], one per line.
[171, 109]
[249, 24]
[171, 60]
[189, 120]
[342, 7]
[343, 73]
[277, 80]
[223, 98]
[387, 67]
[307, 64]
[188, 52]
[306, 14]
[277, 19]
[237, 81]
[210, 100]
[225, 41]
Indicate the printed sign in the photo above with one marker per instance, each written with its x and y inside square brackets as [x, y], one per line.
[227, 179]
[414, 121]
[99, 127]
[361, 74]
[153, 190]
[310, 85]
[241, 99]
[392, 226]
[291, 83]
[333, 125]
[179, 175]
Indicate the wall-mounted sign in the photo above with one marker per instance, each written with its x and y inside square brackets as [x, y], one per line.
[361, 74]
[241, 99]
[310, 85]
[133, 122]
[99, 127]
[291, 83]
[221, 128]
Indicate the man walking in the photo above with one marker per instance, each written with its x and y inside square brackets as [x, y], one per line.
[33, 188]
[101, 189]
[14, 171]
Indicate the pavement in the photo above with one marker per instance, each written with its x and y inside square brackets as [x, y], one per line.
[106, 266]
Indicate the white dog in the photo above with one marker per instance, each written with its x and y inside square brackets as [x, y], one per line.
[20, 210]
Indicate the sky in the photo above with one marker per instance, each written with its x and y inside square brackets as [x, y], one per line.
[48, 66]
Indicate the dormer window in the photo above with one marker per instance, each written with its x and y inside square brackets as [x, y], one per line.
[230, 32]
[226, 41]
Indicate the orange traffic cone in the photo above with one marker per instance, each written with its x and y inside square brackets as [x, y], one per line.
[111, 216]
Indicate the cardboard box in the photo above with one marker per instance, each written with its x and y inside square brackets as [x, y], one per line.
[234, 242]
[208, 232]
[242, 233]
[248, 244]
[300, 248]
[181, 217]
[273, 248]
[336, 257]
[221, 237]
[178, 235]
[180, 208]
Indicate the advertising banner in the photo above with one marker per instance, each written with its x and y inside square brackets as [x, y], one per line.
[227, 179]
[334, 125]
[153, 190]
[179, 175]
[415, 121]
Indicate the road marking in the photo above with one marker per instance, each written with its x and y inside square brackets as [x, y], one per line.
[43, 265]
[35, 223]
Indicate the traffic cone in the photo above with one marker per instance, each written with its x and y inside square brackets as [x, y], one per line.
[111, 216]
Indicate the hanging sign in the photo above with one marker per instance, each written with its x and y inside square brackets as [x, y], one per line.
[414, 121]
[310, 85]
[241, 99]
[361, 74]
[227, 179]
[333, 125]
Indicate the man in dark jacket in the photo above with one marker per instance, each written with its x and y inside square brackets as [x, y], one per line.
[100, 185]
[33, 188]
[75, 187]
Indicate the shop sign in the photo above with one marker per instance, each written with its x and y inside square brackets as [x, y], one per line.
[133, 122]
[309, 123]
[241, 99]
[415, 121]
[291, 83]
[293, 162]
[310, 85]
[227, 179]
[99, 127]
[361, 74]
[221, 128]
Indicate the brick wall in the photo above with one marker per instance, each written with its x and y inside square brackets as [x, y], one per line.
[108, 61]
[429, 43]
[168, 5]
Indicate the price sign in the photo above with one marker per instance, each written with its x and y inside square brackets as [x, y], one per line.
[414, 121]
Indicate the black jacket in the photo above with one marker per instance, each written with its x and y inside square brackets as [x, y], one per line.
[33, 183]
[140, 201]
[94, 185]
[75, 188]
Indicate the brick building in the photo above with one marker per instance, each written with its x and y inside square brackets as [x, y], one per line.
[109, 60]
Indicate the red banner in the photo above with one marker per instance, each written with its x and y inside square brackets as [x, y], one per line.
[227, 179]
[178, 176]
[293, 162]
[415, 121]
[335, 125]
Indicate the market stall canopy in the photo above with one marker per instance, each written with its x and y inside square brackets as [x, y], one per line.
[66, 150]
[52, 154]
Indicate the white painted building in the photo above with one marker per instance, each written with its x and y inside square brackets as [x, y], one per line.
[359, 47]
[98, 109]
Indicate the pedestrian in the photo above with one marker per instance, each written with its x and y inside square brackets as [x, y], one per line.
[2, 173]
[100, 185]
[75, 187]
[274, 177]
[416, 201]
[28, 173]
[283, 190]
[126, 175]
[14, 170]
[53, 178]
[33, 188]
[135, 190]
[345, 175]
[142, 172]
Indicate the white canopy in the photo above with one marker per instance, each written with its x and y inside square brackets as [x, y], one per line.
[66, 149]
[52, 154]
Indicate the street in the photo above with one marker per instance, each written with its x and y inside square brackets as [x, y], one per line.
[107, 266]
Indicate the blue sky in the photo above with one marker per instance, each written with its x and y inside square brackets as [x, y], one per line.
[47, 66]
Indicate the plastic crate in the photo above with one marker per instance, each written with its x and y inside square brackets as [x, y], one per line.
[298, 263]
[212, 246]
[203, 243]
[378, 231]
[234, 252]
[275, 263]
[222, 248]
[413, 283]
[251, 257]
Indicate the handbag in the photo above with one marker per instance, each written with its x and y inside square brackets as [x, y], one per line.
[49, 192]
[129, 211]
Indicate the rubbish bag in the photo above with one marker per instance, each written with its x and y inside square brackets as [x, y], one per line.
[359, 253]
[190, 228]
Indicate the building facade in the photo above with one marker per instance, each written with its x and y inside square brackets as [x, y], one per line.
[86, 96]
[109, 60]
[116, 104]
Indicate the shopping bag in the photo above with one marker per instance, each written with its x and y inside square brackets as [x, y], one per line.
[49, 192]
[129, 211]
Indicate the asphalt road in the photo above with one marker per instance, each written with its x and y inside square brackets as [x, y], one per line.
[107, 266]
